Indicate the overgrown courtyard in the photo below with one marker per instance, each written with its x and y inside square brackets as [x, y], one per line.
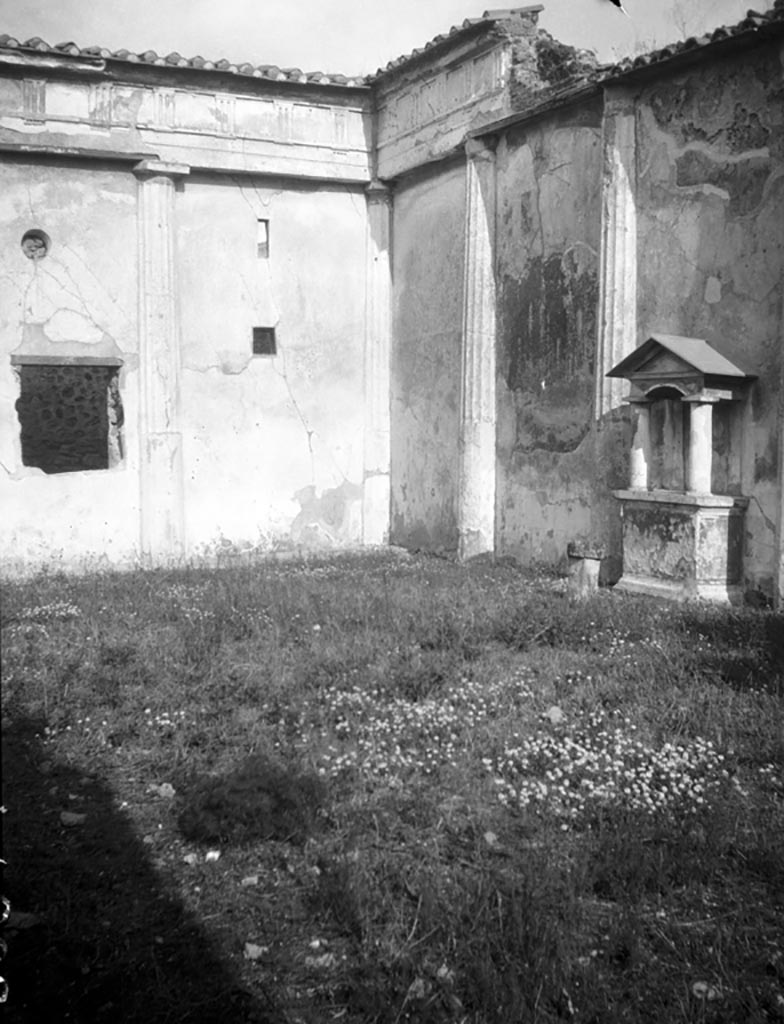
[389, 789]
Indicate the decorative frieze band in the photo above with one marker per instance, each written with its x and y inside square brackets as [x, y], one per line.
[33, 99]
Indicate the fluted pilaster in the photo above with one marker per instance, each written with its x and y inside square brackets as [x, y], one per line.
[618, 264]
[161, 471]
[378, 318]
[476, 482]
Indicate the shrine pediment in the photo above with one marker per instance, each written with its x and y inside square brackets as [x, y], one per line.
[671, 360]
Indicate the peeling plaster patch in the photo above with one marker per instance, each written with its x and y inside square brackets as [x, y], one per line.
[231, 363]
[743, 181]
[68, 325]
[766, 462]
[326, 521]
[549, 322]
[691, 109]
[551, 430]
[37, 340]
[746, 131]
[713, 290]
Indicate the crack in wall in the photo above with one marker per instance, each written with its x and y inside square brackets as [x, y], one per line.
[265, 202]
[766, 520]
[310, 434]
[109, 295]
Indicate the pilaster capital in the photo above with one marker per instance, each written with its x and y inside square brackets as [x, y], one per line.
[480, 149]
[701, 398]
[154, 168]
[378, 192]
[619, 99]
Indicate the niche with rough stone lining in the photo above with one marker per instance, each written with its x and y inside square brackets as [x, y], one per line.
[71, 416]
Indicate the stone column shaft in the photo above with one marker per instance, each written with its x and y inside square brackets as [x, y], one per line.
[161, 470]
[617, 335]
[640, 459]
[700, 448]
[477, 444]
[378, 319]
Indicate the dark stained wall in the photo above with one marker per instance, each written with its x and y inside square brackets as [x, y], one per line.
[548, 226]
[710, 207]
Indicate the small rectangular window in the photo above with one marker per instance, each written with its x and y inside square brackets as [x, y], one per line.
[264, 341]
[71, 416]
[262, 239]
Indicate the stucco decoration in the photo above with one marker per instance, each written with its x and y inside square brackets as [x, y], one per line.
[476, 481]
[378, 339]
[161, 480]
[35, 244]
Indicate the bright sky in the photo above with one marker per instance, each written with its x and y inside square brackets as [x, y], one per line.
[348, 36]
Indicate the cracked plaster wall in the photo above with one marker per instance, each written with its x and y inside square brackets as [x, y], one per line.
[272, 444]
[428, 254]
[554, 473]
[80, 300]
[710, 198]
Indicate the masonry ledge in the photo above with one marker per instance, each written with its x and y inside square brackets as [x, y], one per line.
[25, 359]
[711, 591]
[662, 497]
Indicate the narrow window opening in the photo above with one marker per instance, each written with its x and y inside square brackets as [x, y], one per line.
[262, 239]
[71, 417]
[264, 343]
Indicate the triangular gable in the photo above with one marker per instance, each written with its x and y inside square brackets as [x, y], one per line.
[660, 361]
[691, 355]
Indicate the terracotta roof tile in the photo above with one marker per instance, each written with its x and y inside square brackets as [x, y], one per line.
[488, 18]
[176, 60]
[752, 23]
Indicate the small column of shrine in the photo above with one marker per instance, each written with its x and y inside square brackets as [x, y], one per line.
[700, 463]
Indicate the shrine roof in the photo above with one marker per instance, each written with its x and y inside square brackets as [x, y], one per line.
[695, 351]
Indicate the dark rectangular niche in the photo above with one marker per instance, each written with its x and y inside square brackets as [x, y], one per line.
[264, 341]
[71, 416]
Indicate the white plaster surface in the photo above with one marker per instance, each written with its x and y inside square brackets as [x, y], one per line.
[476, 482]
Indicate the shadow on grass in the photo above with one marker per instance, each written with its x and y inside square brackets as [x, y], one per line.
[93, 935]
[743, 649]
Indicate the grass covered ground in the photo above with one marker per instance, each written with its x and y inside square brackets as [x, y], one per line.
[389, 789]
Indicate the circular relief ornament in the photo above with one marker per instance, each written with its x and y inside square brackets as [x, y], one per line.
[35, 244]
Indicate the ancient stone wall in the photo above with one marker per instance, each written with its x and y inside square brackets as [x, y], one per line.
[549, 201]
[710, 209]
[66, 415]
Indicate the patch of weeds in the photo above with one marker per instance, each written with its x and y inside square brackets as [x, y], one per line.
[577, 771]
[624, 867]
[513, 945]
[260, 799]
